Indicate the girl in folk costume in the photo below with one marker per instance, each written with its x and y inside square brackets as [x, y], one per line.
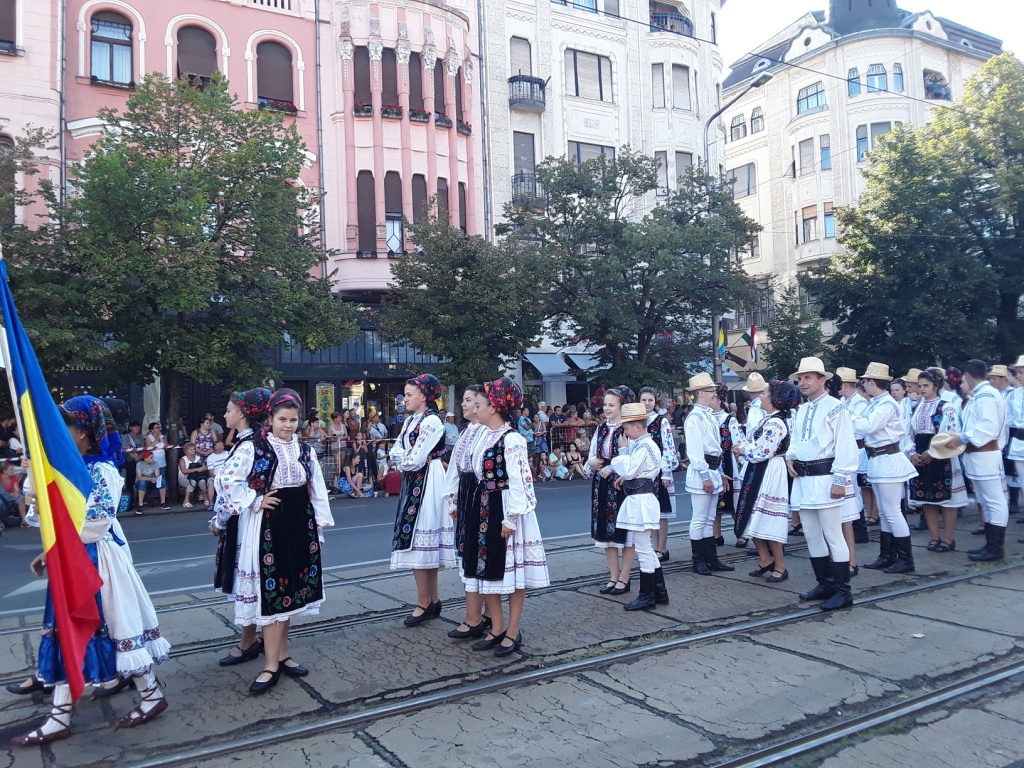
[764, 496]
[424, 539]
[245, 412]
[639, 466]
[660, 429]
[128, 640]
[939, 486]
[459, 490]
[606, 497]
[503, 553]
[728, 432]
[274, 484]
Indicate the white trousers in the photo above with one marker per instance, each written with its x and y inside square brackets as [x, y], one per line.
[888, 496]
[823, 531]
[705, 507]
[991, 496]
[645, 552]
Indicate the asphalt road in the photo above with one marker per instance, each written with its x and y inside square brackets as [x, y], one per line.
[174, 552]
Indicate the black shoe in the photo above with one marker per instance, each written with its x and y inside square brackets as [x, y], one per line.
[699, 566]
[248, 654]
[720, 541]
[102, 692]
[741, 543]
[663, 557]
[437, 607]
[762, 570]
[843, 597]
[922, 525]
[37, 685]
[607, 589]
[261, 687]
[486, 645]
[872, 522]
[430, 612]
[297, 671]
[904, 556]
[773, 579]
[503, 650]
[645, 599]
[933, 545]
[624, 589]
[711, 557]
[475, 632]
[995, 537]
[854, 571]
[796, 530]
[944, 547]
[660, 590]
[886, 553]
[826, 584]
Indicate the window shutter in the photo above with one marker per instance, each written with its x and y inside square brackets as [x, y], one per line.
[389, 77]
[680, 87]
[806, 156]
[570, 73]
[419, 197]
[415, 81]
[274, 72]
[393, 193]
[587, 76]
[361, 74]
[366, 198]
[519, 56]
[658, 85]
[197, 52]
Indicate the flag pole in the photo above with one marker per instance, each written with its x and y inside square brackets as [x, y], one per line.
[5, 354]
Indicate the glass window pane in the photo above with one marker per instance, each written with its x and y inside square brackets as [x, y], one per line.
[122, 64]
[101, 60]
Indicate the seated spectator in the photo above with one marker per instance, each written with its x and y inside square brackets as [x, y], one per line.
[14, 444]
[582, 442]
[383, 467]
[392, 481]
[11, 498]
[194, 477]
[574, 461]
[149, 477]
[216, 459]
[203, 438]
[556, 463]
[351, 481]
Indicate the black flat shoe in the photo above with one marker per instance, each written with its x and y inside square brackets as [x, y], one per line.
[872, 521]
[933, 545]
[430, 612]
[773, 579]
[436, 607]
[475, 632]
[605, 590]
[798, 530]
[762, 570]
[23, 690]
[296, 671]
[720, 541]
[503, 650]
[854, 571]
[486, 645]
[627, 585]
[741, 543]
[261, 687]
[663, 556]
[102, 693]
[944, 547]
[247, 654]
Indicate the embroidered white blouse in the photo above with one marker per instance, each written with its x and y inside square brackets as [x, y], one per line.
[763, 447]
[669, 454]
[600, 451]
[519, 498]
[640, 459]
[409, 458]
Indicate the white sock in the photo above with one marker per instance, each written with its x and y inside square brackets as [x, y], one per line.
[58, 720]
[150, 689]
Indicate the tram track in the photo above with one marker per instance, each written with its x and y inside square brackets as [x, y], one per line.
[362, 712]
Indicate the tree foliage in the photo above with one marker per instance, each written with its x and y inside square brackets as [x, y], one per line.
[792, 336]
[640, 287]
[470, 302]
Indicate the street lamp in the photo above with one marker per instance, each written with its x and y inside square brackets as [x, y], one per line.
[716, 321]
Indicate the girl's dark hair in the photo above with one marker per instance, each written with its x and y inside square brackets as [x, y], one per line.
[285, 398]
[476, 389]
[649, 391]
[153, 424]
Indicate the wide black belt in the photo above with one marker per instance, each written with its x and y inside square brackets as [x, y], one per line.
[640, 485]
[815, 468]
[1017, 432]
[882, 450]
[714, 462]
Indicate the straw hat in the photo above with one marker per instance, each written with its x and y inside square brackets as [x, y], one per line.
[999, 370]
[912, 375]
[755, 383]
[634, 412]
[848, 375]
[700, 381]
[1019, 363]
[877, 371]
[939, 447]
[811, 365]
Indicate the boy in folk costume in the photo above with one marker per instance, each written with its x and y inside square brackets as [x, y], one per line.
[638, 466]
[1015, 419]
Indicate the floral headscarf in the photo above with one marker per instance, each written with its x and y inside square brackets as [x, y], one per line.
[784, 396]
[254, 404]
[722, 391]
[285, 397]
[935, 375]
[834, 385]
[955, 377]
[430, 386]
[92, 416]
[504, 395]
[624, 393]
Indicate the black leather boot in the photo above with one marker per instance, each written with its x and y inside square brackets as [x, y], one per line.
[660, 590]
[995, 537]
[699, 566]
[826, 584]
[886, 553]
[711, 557]
[645, 599]
[1015, 501]
[860, 530]
[904, 556]
[843, 598]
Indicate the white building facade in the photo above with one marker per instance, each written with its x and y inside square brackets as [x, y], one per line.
[796, 146]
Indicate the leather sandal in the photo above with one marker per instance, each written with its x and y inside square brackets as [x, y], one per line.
[137, 716]
[38, 738]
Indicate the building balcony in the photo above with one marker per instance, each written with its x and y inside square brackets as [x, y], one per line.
[526, 93]
[676, 23]
[527, 189]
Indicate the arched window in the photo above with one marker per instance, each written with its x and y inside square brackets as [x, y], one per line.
[936, 87]
[877, 79]
[366, 203]
[197, 55]
[462, 207]
[853, 82]
[738, 129]
[389, 78]
[811, 98]
[395, 238]
[757, 120]
[274, 82]
[361, 74]
[8, 173]
[111, 48]
[415, 81]
[897, 77]
[458, 95]
[439, 106]
[419, 197]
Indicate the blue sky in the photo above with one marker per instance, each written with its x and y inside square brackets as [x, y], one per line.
[743, 24]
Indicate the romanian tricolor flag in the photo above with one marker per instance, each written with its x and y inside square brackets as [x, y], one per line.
[62, 484]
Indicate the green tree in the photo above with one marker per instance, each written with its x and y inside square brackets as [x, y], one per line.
[909, 290]
[458, 297]
[641, 287]
[198, 245]
[792, 336]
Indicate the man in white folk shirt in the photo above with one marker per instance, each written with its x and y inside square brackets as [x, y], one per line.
[756, 387]
[999, 377]
[1015, 418]
[856, 404]
[983, 431]
[883, 430]
[703, 475]
[822, 459]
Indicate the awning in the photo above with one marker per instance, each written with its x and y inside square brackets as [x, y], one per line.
[586, 362]
[549, 364]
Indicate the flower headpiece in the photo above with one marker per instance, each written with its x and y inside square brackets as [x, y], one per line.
[935, 375]
[430, 386]
[254, 404]
[784, 395]
[504, 395]
[624, 393]
[91, 415]
[955, 377]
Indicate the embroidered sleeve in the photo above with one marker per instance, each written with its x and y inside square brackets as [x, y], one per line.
[765, 446]
[431, 432]
[399, 450]
[520, 499]
[451, 486]
[588, 470]
[669, 454]
[847, 455]
[639, 462]
[985, 423]
[695, 447]
[318, 497]
[101, 506]
[950, 419]
[232, 485]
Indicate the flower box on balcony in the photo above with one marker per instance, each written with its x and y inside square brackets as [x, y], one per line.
[362, 110]
[391, 111]
[442, 121]
[464, 128]
[277, 105]
[419, 115]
